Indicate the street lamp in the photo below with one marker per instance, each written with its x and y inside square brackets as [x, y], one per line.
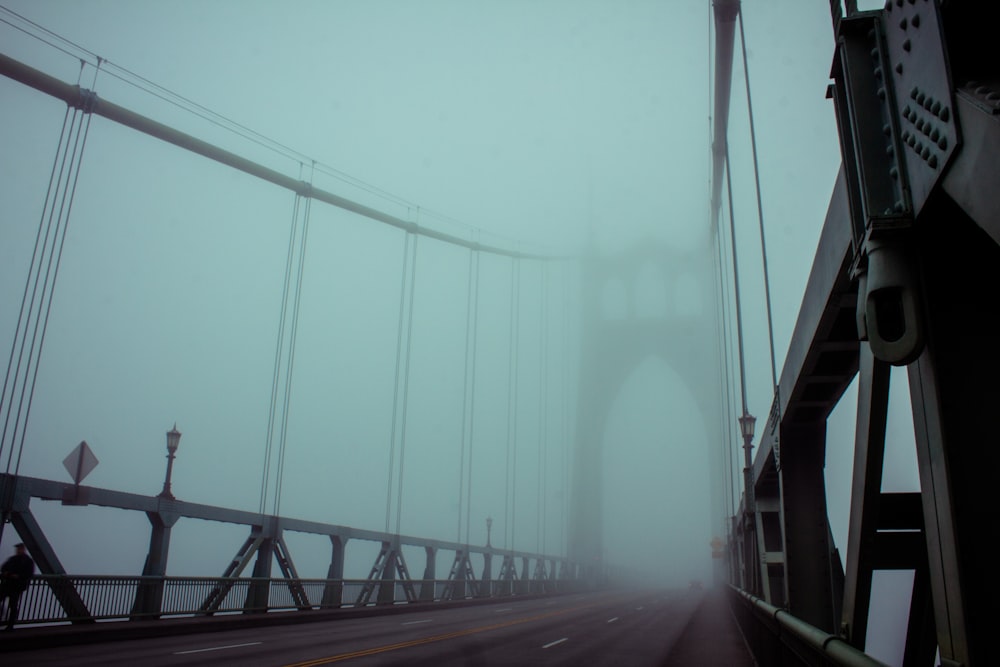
[489, 527]
[747, 423]
[173, 439]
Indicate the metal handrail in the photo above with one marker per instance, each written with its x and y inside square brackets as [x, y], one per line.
[110, 597]
[806, 642]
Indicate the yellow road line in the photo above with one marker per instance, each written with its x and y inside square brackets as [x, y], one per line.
[429, 640]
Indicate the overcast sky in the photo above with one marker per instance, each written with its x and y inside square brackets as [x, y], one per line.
[546, 126]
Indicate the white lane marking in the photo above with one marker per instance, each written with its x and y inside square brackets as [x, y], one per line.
[639, 608]
[426, 620]
[612, 620]
[497, 611]
[558, 641]
[216, 648]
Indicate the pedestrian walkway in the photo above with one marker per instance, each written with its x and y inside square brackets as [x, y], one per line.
[712, 638]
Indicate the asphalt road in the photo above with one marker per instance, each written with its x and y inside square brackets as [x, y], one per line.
[619, 628]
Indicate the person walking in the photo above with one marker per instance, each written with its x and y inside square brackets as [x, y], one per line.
[14, 576]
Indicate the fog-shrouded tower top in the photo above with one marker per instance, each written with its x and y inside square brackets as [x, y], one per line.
[649, 301]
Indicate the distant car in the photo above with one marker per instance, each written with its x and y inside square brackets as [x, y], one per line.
[696, 584]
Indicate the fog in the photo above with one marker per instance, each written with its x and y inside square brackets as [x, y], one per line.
[559, 128]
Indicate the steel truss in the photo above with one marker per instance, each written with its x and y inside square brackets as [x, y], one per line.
[264, 546]
[906, 274]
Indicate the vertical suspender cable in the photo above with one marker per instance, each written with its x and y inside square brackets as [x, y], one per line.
[564, 459]
[760, 208]
[286, 407]
[39, 304]
[48, 288]
[27, 306]
[465, 400]
[466, 437]
[406, 384]
[395, 384]
[736, 282]
[279, 346]
[727, 385]
[542, 409]
[722, 281]
[510, 504]
[472, 397]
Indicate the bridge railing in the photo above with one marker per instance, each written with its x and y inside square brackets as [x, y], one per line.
[775, 637]
[90, 598]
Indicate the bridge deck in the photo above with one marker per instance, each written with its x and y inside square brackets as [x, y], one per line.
[693, 631]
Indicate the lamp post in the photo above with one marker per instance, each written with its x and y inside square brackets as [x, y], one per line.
[747, 423]
[489, 527]
[173, 439]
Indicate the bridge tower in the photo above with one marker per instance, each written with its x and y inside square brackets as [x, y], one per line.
[651, 300]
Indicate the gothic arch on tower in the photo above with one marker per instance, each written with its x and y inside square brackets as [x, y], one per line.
[650, 300]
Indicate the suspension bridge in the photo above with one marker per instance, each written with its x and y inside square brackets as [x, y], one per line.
[473, 380]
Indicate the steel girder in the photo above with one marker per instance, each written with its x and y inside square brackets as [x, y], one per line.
[947, 232]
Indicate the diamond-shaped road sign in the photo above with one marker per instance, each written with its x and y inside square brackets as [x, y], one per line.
[80, 462]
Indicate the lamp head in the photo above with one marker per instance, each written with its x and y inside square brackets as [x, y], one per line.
[747, 423]
[173, 439]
